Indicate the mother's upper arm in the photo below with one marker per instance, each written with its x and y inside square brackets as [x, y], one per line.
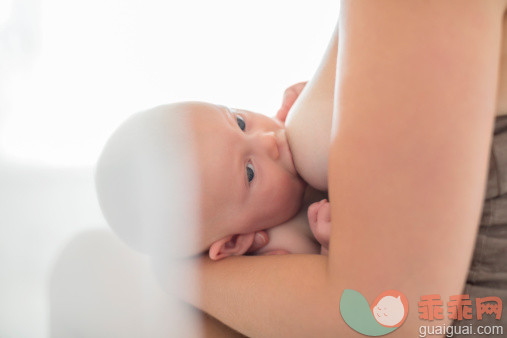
[416, 92]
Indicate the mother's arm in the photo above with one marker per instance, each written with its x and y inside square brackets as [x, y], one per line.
[416, 86]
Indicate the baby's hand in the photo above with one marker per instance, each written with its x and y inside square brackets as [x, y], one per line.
[261, 239]
[289, 97]
[319, 217]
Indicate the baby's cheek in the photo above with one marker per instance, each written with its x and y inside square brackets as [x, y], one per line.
[281, 198]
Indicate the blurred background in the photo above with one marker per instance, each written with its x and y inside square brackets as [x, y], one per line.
[70, 72]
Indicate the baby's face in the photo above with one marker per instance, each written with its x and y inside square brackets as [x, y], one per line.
[249, 181]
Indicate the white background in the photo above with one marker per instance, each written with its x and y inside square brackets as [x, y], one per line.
[71, 71]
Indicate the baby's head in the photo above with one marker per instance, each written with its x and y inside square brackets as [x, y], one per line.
[201, 170]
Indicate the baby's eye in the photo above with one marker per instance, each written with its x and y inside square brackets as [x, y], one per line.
[241, 122]
[250, 173]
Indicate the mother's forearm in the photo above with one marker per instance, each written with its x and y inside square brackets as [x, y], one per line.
[306, 304]
[212, 328]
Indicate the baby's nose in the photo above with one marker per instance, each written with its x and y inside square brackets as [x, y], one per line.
[268, 143]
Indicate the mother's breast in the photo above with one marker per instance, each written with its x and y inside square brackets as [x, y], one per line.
[308, 123]
[308, 129]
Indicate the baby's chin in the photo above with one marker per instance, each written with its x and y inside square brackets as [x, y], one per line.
[293, 209]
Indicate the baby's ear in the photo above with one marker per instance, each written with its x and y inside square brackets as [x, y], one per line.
[232, 245]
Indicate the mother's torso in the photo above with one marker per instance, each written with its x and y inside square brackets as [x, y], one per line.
[309, 120]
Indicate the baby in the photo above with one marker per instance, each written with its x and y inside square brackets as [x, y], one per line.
[242, 172]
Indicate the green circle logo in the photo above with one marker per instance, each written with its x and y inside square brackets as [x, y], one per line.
[387, 312]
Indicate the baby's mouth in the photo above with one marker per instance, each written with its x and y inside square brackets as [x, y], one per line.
[286, 153]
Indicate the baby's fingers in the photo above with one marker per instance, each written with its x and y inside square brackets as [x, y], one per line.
[320, 222]
[324, 213]
[312, 212]
[260, 240]
[289, 97]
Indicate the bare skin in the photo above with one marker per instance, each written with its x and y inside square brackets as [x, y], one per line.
[397, 175]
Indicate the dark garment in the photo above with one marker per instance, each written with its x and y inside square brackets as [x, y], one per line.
[487, 275]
